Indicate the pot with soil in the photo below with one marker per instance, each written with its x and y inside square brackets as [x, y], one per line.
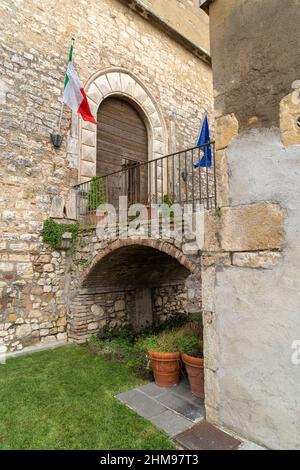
[166, 368]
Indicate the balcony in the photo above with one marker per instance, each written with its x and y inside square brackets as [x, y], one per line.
[172, 179]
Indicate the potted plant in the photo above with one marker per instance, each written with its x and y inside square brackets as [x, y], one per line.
[165, 358]
[191, 348]
[95, 198]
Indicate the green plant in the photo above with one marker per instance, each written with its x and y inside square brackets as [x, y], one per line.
[52, 232]
[166, 341]
[197, 316]
[95, 195]
[191, 345]
[218, 211]
[167, 201]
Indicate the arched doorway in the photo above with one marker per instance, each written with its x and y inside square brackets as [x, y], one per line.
[122, 145]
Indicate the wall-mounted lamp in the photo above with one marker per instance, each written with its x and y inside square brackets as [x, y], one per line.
[56, 140]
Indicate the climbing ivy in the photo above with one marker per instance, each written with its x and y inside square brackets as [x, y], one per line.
[52, 232]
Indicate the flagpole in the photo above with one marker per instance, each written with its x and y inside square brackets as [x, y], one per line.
[57, 137]
[63, 104]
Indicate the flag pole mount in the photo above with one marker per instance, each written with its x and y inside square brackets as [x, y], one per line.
[57, 137]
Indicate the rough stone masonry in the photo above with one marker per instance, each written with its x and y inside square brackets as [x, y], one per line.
[34, 43]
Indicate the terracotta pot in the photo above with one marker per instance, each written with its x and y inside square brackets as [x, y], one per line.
[166, 368]
[195, 371]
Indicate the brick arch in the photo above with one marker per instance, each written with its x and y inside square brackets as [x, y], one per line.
[164, 247]
[121, 83]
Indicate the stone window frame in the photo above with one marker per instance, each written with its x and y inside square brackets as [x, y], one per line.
[124, 84]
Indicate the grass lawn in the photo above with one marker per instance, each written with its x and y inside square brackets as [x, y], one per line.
[64, 399]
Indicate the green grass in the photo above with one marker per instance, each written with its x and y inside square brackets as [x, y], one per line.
[64, 399]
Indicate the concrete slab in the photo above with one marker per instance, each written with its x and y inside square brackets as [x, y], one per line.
[153, 390]
[141, 403]
[171, 423]
[183, 407]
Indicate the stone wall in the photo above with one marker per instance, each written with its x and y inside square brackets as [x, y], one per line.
[184, 16]
[93, 310]
[98, 289]
[34, 46]
[252, 320]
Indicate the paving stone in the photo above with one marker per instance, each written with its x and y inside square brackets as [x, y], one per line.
[171, 423]
[141, 403]
[183, 407]
[153, 390]
[205, 436]
[183, 390]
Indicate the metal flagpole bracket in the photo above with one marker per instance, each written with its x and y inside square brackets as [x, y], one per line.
[57, 137]
[56, 140]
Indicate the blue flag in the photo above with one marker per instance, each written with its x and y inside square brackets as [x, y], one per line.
[205, 152]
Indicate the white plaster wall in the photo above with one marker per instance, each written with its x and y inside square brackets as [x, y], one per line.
[258, 311]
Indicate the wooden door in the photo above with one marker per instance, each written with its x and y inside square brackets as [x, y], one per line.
[122, 143]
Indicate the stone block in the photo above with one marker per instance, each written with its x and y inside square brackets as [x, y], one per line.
[119, 305]
[94, 94]
[139, 93]
[57, 207]
[222, 178]
[88, 153]
[127, 83]
[6, 267]
[71, 205]
[103, 85]
[88, 169]
[48, 268]
[227, 127]
[211, 231]
[114, 81]
[88, 137]
[23, 330]
[98, 311]
[289, 113]
[208, 286]
[252, 228]
[262, 260]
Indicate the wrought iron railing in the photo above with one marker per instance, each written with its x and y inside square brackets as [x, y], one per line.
[174, 178]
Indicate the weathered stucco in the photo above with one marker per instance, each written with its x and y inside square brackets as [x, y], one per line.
[255, 57]
[259, 321]
[251, 383]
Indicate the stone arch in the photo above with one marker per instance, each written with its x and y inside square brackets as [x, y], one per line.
[164, 247]
[122, 83]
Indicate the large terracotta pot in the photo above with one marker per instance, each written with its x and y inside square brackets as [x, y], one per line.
[195, 371]
[166, 368]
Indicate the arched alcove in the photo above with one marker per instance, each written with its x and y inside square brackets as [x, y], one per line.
[137, 282]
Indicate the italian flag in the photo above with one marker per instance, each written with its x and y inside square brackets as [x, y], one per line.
[74, 94]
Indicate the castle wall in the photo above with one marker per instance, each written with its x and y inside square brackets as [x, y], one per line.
[34, 46]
